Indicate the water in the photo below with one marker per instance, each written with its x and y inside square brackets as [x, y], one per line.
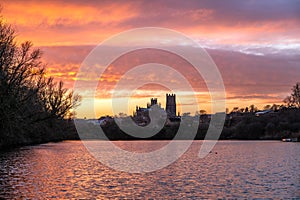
[234, 169]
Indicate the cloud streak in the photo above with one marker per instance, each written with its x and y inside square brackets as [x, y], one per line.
[215, 22]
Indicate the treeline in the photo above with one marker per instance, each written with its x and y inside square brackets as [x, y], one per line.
[32, 106]
[284, 123]
[274, 123]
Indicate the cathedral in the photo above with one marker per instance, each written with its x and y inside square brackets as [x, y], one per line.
[141, 115]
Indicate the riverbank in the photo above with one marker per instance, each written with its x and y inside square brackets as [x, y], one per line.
[277, 125]
[56, 131]
[240, 126]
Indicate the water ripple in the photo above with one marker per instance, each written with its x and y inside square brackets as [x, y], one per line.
[234, 169]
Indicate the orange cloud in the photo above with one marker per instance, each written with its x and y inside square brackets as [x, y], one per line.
[53, 13]
[57, 23]
[77, 22]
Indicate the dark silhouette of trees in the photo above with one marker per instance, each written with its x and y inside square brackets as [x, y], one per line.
[235, 109]
[253, 108]
[267, 107]
[242, 110]
[57, 101]
[28, 100]
[275, 107]
[294, 99]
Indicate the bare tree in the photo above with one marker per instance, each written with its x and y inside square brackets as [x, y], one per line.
[294, 99]
[26, 95]
[57, 101]
[21, 74]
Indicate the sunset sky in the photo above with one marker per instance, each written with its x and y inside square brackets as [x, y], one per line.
[255, 44]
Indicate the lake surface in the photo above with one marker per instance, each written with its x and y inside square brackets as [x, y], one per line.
[234, 169]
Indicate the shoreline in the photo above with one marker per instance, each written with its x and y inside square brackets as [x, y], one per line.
[12, 147]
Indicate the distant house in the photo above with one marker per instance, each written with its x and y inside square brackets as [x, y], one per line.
[93, 121]
[263, 112]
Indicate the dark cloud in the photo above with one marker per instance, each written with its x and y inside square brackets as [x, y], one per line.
[226, 13]
[257, 11]
[251, 74]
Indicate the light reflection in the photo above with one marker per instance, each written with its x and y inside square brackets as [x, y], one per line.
[234, 169]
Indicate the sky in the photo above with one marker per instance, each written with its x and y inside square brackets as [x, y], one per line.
[254, 44]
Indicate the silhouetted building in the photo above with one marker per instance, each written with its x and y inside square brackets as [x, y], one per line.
[171, 105]
[141, 115]
[152, 103]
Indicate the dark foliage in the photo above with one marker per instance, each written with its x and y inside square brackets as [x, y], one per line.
[293, 101]
[276, 125]
[32, 107]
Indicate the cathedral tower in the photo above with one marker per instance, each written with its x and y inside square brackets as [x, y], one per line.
[171, 105]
